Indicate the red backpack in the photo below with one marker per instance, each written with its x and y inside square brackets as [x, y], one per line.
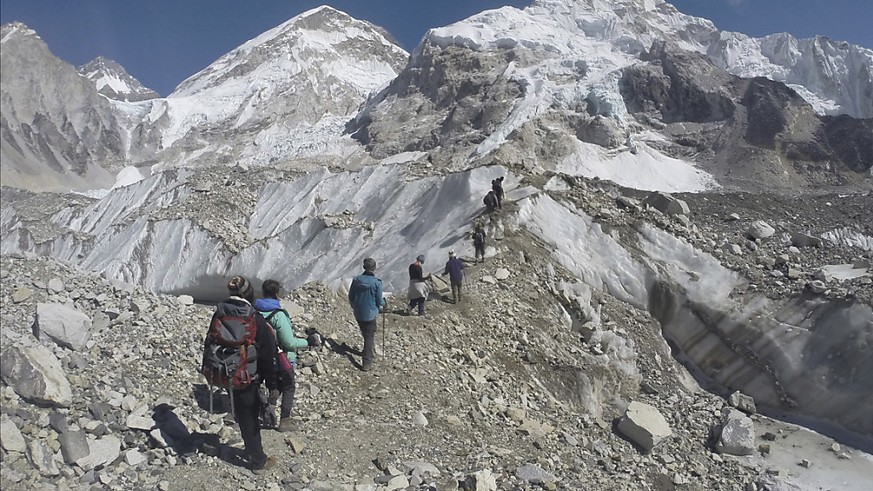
[230, 359]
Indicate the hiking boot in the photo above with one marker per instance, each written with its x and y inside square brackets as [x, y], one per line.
[268, 464]
[286, 425]
[367, 367]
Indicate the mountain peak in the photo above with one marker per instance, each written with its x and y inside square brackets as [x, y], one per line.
[113, 81]
[14, 29]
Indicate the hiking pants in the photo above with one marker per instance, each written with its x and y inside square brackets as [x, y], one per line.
[480, 250]
[368, 330]
[418, 302]
[456, 291]
[247, 407]
[288, 386]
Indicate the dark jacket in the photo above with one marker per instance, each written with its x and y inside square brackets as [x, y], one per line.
[455, 270]
[479, 236]
[490, 200]
[365, 296]
[497, 187]
[265, 343]
[415, 272]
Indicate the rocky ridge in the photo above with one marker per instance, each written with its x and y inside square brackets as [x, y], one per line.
[514, 388]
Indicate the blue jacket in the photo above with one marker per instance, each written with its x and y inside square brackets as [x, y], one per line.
[455, 270]
[365, 295]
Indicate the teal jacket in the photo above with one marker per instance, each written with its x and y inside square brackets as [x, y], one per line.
[365, 295]
[281, 322]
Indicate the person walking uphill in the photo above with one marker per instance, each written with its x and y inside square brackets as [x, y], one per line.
[288, 344]
[490, 201]
[455, 270]
[365, 296]
[497, 187]
[479, 242]
[239, 353]
[418, 289]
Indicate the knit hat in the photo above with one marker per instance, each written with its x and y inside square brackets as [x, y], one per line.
[369, 264]
[238, 285]
[420, 258]
[451, 253]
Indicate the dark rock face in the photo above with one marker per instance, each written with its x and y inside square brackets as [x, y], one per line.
[462, 96]
[851, 139]
[743, 126]
[679, 86]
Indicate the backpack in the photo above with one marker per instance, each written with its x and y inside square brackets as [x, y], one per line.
[478, 237]
[229, 354]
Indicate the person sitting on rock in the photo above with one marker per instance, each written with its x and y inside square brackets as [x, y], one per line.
[418, 289]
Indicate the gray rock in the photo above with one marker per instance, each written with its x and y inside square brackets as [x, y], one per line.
[760, 230]
[802, 240]
[501, 274]
[737, 434]
[533, 474]
[480, 481]
[103, 451]
[21, 295]
[42, 458]
[58, 422]
[10, 436]
[185, 299]
[65, 326]
[817, 286]
[644, 425]
[742, 402]
[36, 375]
[421, 467]
[733, 249]
[419, 419]
[55, 285]
[74, 446]
[137, 422]
[666, 203]
[134, 457]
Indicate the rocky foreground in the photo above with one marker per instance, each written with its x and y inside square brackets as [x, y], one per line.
[514, 388]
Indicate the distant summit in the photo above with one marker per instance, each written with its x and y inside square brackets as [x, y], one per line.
[113, 81]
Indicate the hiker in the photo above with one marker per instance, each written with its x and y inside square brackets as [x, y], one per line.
[365, 296]
[288, 344]
[490, 201]
[237, 311]
[497, 187]
[479, 242]
[455, 270]
[418, 289]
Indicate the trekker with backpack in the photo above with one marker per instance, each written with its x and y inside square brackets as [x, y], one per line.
[479, 242]
[418, 289]
[288, 343]
[497, 187]
[490, 201]
[455, 270]
[365, 297]
[239, 353]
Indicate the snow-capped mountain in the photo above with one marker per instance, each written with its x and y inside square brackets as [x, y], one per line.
[58, 133]
[113, 81]
[286, 93]
[552, 87]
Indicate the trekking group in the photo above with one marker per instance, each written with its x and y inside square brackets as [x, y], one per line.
[252, 341]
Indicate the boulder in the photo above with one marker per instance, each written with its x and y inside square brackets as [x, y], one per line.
[102, 452]
[42, 458]
[21, 294]
[742, 402]
[533, 474]
[185, 299]
[760, 230]
[36, 375]
[802, 240]
[65, 326]
[10, 437]
[480, 481]
[666, 203]
[644, 425]
[737, 434]
[74, 446]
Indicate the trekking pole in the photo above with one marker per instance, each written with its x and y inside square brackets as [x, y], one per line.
[384, 354]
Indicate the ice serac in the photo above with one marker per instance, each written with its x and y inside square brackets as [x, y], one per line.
[113, 81]
[57, 133]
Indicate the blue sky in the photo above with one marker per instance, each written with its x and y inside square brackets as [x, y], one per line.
[162, 42]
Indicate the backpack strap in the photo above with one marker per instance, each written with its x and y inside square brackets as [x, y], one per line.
[272, 313]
